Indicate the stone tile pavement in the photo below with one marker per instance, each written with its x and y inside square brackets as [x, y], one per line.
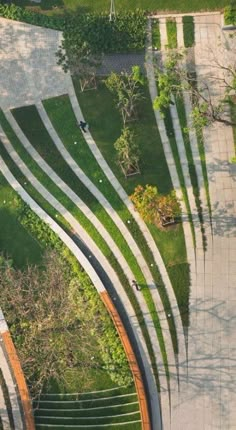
[208, 396]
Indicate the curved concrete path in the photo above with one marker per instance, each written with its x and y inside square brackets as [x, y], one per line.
[85, 237]
[103, 294]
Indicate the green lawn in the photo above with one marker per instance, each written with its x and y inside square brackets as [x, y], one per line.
[15, 241]
[104, 5]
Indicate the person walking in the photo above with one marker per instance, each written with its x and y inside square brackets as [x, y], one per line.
[135, 284]
[82, 125]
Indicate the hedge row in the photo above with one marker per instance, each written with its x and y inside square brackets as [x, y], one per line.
[126, 33]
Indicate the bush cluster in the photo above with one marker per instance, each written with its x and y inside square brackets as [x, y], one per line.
[230, 13]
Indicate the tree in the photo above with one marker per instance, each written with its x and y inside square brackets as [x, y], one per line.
[127, 90]
[154, 207]
[175, 79]
[127, 152]
[81, 60]
[58, 323]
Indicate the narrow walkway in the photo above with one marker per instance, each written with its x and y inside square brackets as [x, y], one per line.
[96, 282]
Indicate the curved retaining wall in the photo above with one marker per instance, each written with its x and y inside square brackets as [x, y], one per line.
[18, 374]
[146, 425]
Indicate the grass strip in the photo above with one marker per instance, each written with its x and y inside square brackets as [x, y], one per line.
[135, 426]
[192, 170]
[68, 412]
[86, 224]
[156, 35]
[88, 420]
[188, 29]
[171, 29]
[174, 147]
[16, 242]
[59, 108]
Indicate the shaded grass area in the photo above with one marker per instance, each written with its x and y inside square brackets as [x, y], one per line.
[61, 221]
[191, 166]
[105, 125]
[15, 242]
[156, 35]
[103, 5]
[188, 29]
[60, 108]
[171, 33]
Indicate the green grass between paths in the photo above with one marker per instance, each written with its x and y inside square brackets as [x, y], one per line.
[105, 125]
[188, 29]
[86, 224]
[156, 35]
[15, 242]
[171, 33]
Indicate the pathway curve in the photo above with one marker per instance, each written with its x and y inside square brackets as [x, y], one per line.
[97, 284]
[84, 235]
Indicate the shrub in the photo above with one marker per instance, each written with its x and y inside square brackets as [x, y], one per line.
[230, 13]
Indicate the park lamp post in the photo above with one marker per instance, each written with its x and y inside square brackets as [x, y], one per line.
[112, 14]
